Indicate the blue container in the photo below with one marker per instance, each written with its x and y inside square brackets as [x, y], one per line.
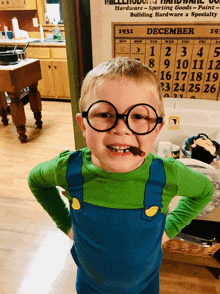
[9, 34]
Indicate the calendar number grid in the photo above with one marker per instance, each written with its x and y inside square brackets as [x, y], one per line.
[188, 67]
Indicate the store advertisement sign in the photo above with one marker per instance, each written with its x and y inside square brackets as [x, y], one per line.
[166, 8]
[178, 39]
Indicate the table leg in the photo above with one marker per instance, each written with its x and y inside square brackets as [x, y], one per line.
[35, 103]
[3, 108]
[18, 115]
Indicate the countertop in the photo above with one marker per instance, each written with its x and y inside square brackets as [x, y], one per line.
[20, 64]
[33, 42]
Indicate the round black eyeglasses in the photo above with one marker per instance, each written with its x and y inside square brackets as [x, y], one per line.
[103, 116]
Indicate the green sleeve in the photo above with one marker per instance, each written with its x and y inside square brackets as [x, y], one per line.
[198, 190]
[43, 180]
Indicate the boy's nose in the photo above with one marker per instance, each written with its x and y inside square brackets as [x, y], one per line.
[121, 127]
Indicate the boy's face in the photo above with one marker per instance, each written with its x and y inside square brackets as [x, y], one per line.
[123, 94]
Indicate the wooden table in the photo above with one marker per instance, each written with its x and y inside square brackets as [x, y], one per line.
[14, 78]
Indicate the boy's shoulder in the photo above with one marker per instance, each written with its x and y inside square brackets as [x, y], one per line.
[72, 156]
[66, 153]
[171, 165]
[168, 160]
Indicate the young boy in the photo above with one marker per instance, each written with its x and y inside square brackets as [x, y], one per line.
[118, 190]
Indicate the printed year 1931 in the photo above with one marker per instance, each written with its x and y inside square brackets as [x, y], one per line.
[215, 31]
[126, 31]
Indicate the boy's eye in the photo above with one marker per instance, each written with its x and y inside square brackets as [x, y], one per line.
[139, 117]
[103, 115]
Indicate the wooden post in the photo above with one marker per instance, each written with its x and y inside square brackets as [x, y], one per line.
[71, 17]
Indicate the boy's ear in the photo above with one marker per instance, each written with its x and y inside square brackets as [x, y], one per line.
[160, 126]
[81, 123]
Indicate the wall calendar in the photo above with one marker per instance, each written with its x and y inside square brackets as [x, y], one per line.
[185, 55]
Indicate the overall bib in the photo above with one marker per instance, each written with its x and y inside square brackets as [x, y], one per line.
[117, 250]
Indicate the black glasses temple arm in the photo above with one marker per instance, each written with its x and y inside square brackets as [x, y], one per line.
[84, 113]
[159, 120]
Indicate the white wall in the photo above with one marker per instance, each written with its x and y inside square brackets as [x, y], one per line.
[196, 116]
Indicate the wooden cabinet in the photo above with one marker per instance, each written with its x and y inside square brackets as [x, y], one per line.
[61, 78]
[46, 85]
[54, 69]
[18, 5]
[7, 4]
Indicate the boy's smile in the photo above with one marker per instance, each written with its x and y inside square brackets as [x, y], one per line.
[117, 150]
[127, 149]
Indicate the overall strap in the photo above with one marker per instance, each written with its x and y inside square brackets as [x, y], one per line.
[75, 180]
[154, 190]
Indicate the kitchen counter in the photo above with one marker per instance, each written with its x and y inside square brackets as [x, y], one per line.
[20, 64]
[16, 41]
[33, 42]
[46, 44]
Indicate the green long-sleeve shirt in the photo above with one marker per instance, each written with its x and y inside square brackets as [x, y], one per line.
[121, 190]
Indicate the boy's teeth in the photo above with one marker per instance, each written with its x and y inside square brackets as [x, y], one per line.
[119, 149]
[123, 149]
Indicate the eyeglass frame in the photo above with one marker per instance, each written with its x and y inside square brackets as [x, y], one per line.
[159, 120]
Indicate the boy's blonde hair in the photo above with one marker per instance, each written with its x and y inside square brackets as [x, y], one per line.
[116, 68]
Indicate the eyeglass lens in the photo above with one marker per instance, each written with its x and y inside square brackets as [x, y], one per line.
[141, 119]
[102, 116]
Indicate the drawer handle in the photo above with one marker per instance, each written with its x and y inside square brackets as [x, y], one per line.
[49, 66]
[55, 66]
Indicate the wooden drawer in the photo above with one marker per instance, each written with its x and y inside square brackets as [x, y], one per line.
[58, 53]
[39, 53]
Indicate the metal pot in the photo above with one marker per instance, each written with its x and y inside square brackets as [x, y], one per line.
[12, 56]
[21, 52]
[8, 56]
[7, 59]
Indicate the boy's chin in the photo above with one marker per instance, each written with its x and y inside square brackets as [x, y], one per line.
[119, 165]
[125, 168]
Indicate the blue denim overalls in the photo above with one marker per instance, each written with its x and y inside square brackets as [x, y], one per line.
[117, 250]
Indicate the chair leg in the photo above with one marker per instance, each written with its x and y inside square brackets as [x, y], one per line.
[3, 109]
[18, 115]
[36, 105]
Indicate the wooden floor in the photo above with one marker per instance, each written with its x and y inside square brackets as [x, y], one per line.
[35, 256]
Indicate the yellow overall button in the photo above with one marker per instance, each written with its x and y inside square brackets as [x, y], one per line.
[76, 204]
[151, 211]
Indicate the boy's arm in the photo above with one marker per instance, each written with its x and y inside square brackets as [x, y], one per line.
[43, 180]
[198, 190]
